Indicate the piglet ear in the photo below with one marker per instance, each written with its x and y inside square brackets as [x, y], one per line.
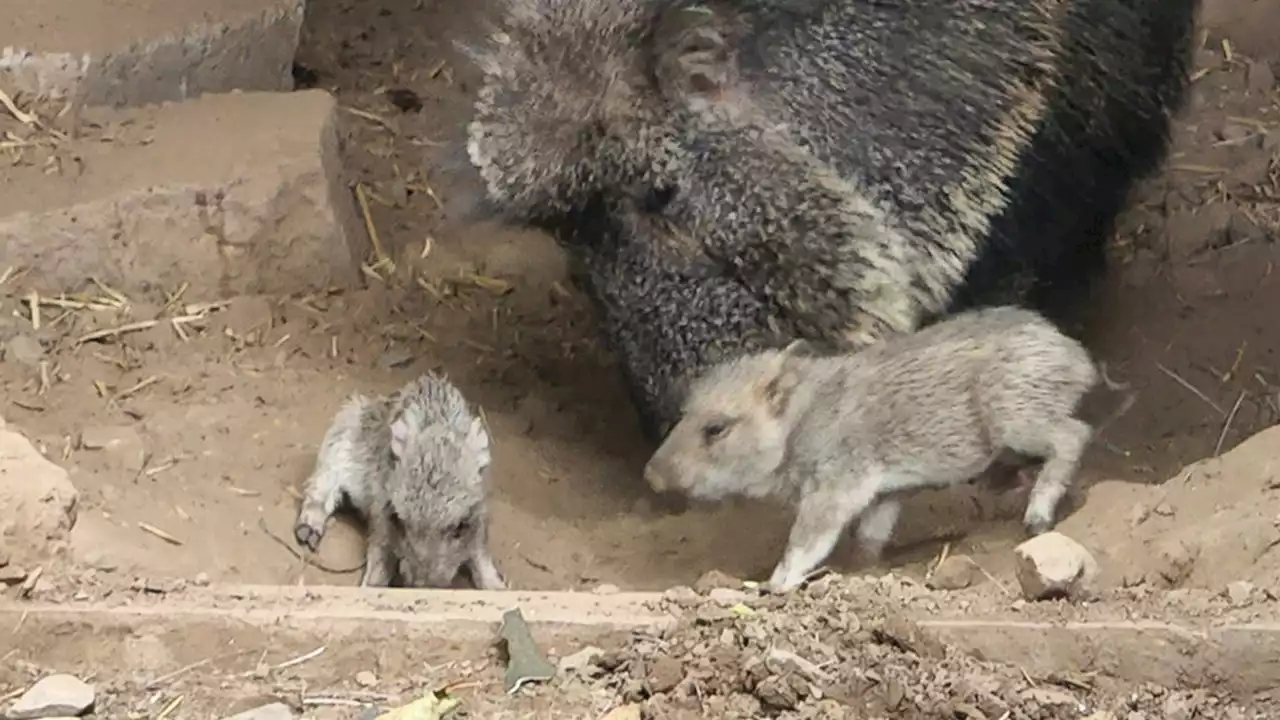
[478, 439]
[782, 380]
[399, 437]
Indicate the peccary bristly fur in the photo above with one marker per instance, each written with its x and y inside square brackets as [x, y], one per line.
[414, 466]
[858, 167]
[844, 436]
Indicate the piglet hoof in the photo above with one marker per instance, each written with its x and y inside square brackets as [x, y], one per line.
[1038, 526]
[308, 536]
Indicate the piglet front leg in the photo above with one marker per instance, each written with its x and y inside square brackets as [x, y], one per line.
[820, 520]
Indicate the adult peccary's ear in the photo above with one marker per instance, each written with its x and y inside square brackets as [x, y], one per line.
[692, 56]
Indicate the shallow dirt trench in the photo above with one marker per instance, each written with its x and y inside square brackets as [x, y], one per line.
[213, 449]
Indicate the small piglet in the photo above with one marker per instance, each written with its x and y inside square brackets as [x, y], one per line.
[845, 436]
[414, 466]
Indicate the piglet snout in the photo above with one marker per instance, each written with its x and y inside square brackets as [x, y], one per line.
[657, 473]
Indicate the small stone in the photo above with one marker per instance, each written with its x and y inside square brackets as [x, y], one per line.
[12, 574]
[395, 357]
[956, 572]
[24, 349]
[1049, 696]
[1053, 565]
[776, 692]
[112, 438]
[274, 711]
[664, 675]
[681, 595]
[727, 595]
[1240, 592]
[606, 589]
[55, 695]
[1260, 78]
[201, 579]
[713, 579]
[626, 712]
[583, 662]
[364, 678]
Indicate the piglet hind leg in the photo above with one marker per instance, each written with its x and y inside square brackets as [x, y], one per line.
[379, 564]
[324, 492]
[820, 520]
[875, 527]
[1062, 444]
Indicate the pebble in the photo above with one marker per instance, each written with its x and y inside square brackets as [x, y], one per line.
[606, 589]
[111, 437]
[274, 711]
[1240, 592]
[1054, 565]
[582, 662]
[713, 579]
[956, 572]
[626, 712]
[24, 349]
[12, 574]
[201, 579]
[364, 678]
[54, 696]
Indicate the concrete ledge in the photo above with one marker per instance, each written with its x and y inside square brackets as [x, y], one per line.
[1239, 658]
[146, 51]
[238, 193]
[1242, 658]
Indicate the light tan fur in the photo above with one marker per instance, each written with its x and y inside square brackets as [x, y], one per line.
[843, 436]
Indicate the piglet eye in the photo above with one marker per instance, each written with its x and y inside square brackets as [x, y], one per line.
[714, 431]
[459, 530]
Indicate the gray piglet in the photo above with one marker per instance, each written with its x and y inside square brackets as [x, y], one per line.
[414, 466]
[844, 436]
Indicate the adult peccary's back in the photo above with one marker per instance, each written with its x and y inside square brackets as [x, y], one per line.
[856, 167]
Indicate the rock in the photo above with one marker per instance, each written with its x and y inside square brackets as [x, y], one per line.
[24, 350]
[956, 572]
[270, 209]
[664, 674]
[12, 575]
[606, 589]
[364, 678]
[1053, 565]
[1259, 77]
[583, 662]
[39, 500]
[55, 695]
[626, 712]
[713, 579]
[201, 579]
[118, 439]
[274, 711]
[681, 595]
[1240, 592]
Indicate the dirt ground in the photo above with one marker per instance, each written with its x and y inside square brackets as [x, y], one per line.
[205, 433]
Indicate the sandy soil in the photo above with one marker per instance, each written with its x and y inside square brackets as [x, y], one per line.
[208, 434]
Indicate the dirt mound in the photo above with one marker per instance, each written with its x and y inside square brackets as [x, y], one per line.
[1215, 523]
[842, 649]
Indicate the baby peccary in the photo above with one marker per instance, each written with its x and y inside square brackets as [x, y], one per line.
[845, 436]
[414, 467]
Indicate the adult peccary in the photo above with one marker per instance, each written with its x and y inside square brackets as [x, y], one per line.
[845, 436]
[414, 466]
[859, 167]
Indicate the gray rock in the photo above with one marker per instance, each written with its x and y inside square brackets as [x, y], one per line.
[23, 349]
[54, 696]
